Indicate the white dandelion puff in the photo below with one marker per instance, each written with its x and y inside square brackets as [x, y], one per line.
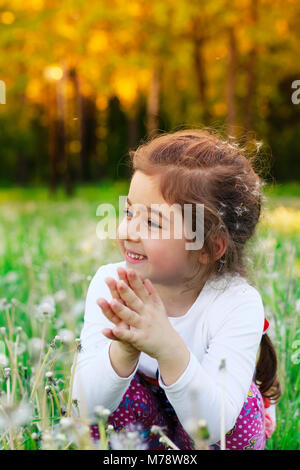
[15, 416]
[66, 336]
[3, 360]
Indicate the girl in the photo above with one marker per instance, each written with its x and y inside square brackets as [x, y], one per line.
[151, 353]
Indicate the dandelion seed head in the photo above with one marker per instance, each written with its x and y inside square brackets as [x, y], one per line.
[3, 304]
[66, 423]
[156, 429]
[101, 412]
[66, 336]
[60, 295]
[15, 416]
[46, 309]
[3, 331]
[3, 360]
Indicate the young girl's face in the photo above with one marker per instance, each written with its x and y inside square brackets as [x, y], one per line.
[167, 260]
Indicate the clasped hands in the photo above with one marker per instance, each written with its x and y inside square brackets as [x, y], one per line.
[139, 314]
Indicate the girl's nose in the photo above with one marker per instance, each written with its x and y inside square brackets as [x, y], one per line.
[131, 229]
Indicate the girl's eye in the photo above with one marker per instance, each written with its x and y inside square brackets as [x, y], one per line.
[129, 214]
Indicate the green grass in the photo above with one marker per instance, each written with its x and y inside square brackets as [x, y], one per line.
[49, 248]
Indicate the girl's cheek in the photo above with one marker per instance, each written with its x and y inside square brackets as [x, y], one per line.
[162, 254]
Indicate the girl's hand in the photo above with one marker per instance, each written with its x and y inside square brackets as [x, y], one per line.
[108, 312]
[143, 310]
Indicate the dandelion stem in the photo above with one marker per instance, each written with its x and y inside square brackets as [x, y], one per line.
[103, 437]
[9, 324]
[15, 360]
[223, 441]
[71, 384]
[11, 356]
[8, 389]
[40, 372]
[56, 400]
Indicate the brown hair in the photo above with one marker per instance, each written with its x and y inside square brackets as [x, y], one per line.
[197, 166]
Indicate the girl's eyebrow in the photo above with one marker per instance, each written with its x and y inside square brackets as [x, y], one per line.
[149, 209]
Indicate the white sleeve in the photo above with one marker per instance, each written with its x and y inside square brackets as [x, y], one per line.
[95, 380]
[198, 392]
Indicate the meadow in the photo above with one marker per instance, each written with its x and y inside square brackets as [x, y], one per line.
[49, 252]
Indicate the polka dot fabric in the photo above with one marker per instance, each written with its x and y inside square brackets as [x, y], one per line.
[249, 431]
[146, 404]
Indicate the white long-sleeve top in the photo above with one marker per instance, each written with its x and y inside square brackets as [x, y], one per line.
[225, 322]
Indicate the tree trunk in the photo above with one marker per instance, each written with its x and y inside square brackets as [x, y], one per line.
[251, 76]
[62, 129]
[153, 104]
[231, 82]
[51, 110]
[199, 62]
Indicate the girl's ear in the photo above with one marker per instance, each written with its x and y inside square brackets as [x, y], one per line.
[220, 248]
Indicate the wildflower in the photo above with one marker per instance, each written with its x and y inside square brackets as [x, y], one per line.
[7, 372]
[110, 428]
[156, 429]
[130, 439]
[49, 374]
[15, 416]
[66, 423]
[101, 412]
[34, 347]
[66, 336]
[3, 360]
[46, 309]
[78, 344]
[4, 304]
[60, 295]
[61, 437]
[3, 331]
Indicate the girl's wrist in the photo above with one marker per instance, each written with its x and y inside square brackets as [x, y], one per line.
[123, 362]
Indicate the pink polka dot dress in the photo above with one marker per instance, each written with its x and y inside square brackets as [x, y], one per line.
[146, 404]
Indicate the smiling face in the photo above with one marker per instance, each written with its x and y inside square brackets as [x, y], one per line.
[168, 261]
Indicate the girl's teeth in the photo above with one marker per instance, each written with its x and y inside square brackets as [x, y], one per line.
[135, 256]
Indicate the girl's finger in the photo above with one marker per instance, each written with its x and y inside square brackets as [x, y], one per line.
[123, 335]
[123, 276]
[107, 311]
[108, 332]
[126, 314]
[133, 302]
[137, 285]
[112, 285]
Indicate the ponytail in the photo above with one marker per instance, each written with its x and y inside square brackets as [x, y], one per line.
[266, 376]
